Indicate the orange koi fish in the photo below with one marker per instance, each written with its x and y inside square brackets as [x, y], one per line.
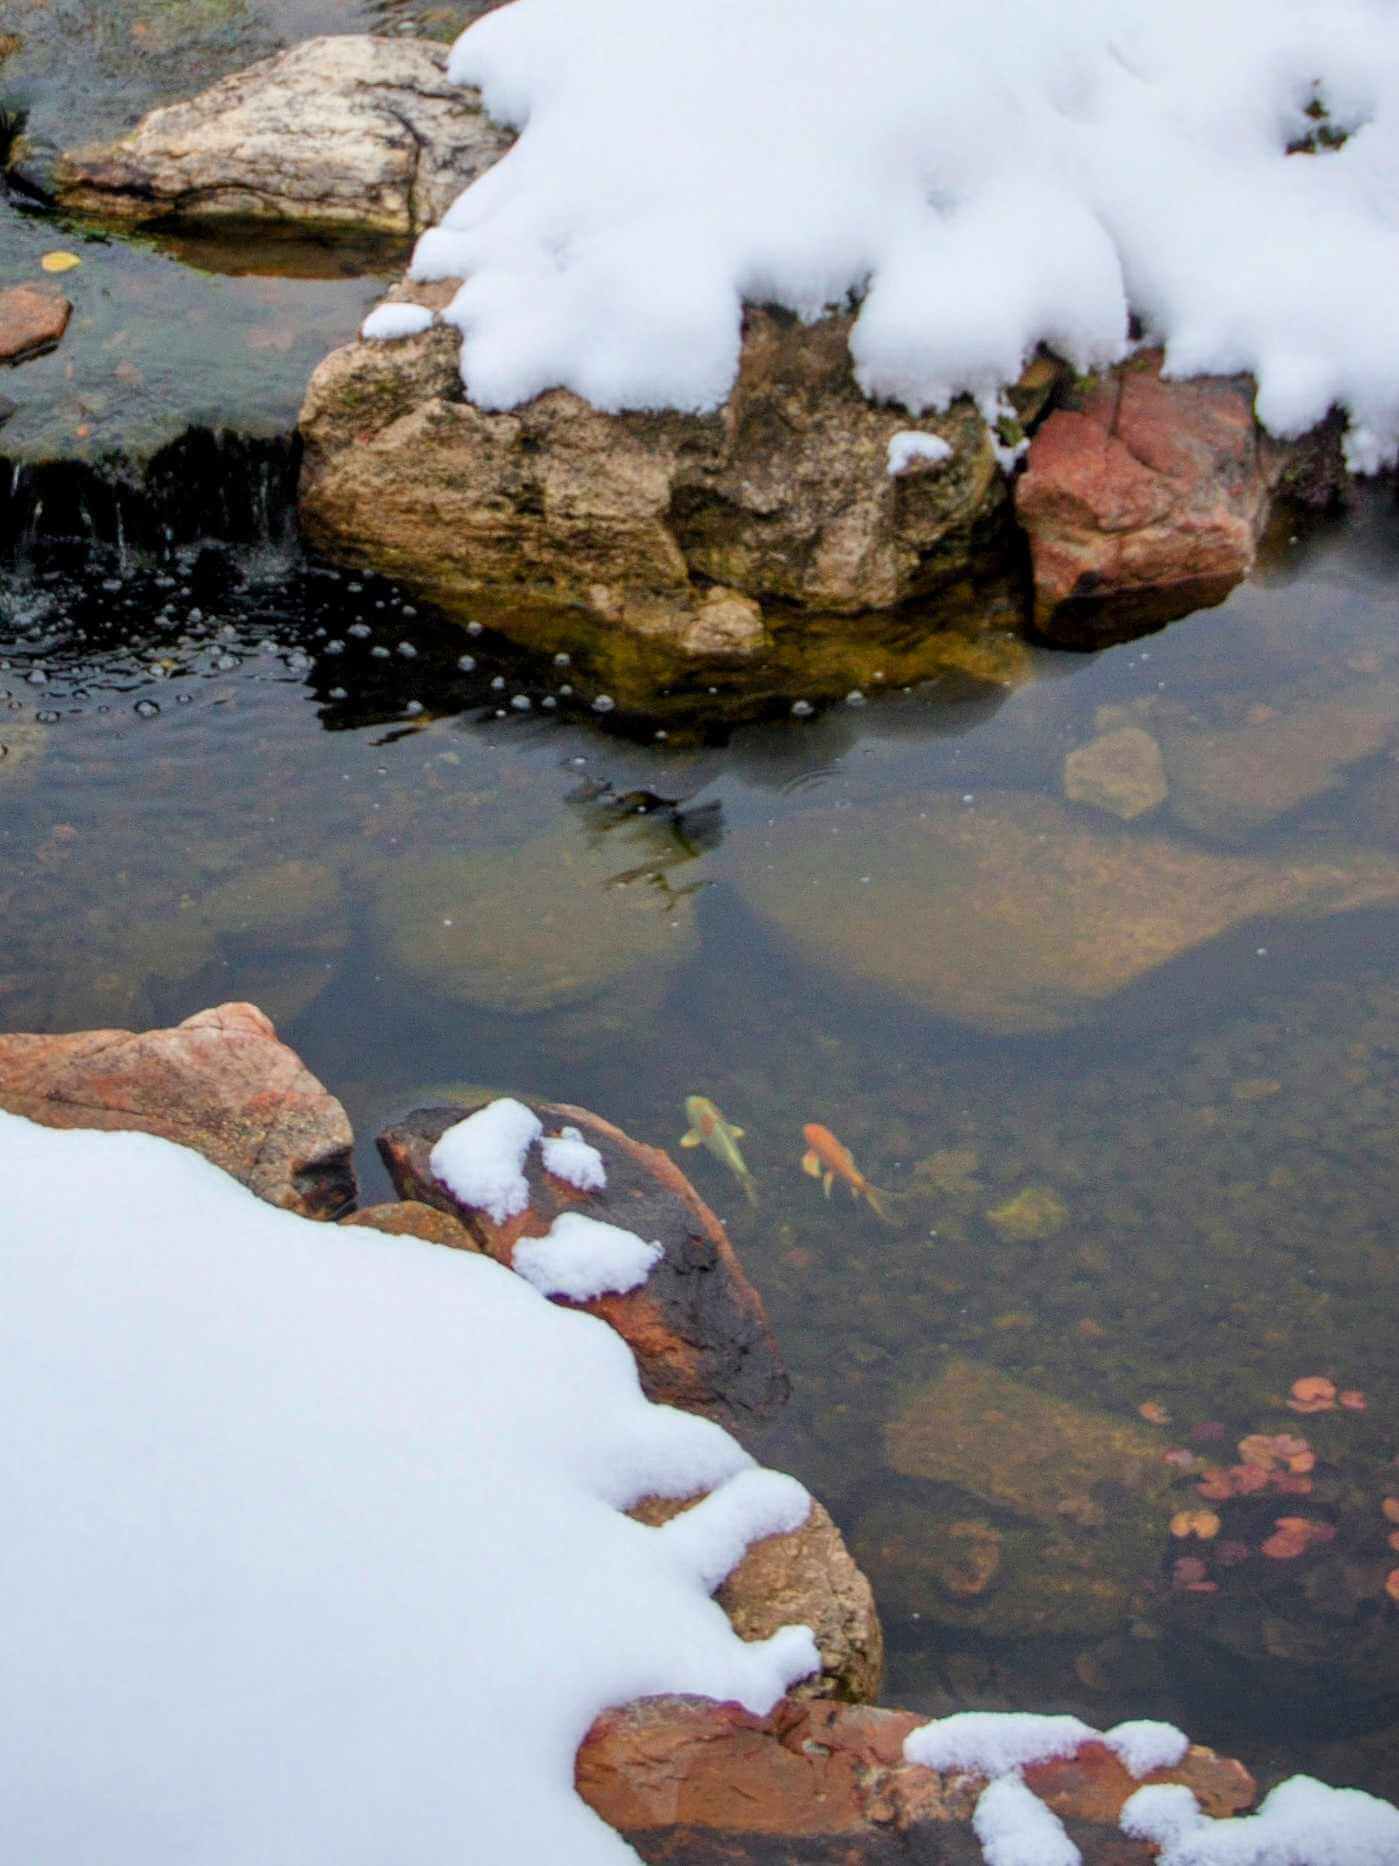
[827, 1160]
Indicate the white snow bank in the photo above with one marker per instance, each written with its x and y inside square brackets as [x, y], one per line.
[581, 1257]
[481, 1159]
[312, 1548]
[568, 1156]
[994, 1742]
[1144, 1744]
[388, 323]
[985, 174]
[912, 452]
[1301, 1822]
[1015, 1828]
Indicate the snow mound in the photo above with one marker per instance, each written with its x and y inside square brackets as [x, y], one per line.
[1301, 1822]
[982, 175]
[481, 1159]
[568, 1156]
[1015, 1828]
[581, 1257]
[389, 323]
[312, 1542]
[995, 1742]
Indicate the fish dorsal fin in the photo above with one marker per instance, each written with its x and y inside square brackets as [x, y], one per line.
[736, 1133]
[692, 1139]
[811, 1164]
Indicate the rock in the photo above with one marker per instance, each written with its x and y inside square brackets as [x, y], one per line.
[1120, 772]
[1036, 1212]
[32, 320]
[697, 1325]
[220, 1083]
[542, 925]
[1015, 914]
[352, 130]
[806, 1577]
[644, 543]
[1143, 499]
[22, 745]
[1232, 780]
[410, 1218]
[1078, 1502]
[692, 1783]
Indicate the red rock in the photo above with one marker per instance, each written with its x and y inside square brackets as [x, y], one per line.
[409, 1218]
[32, 319]
[693, 1783]
[220, 1083]
[1143, 499]
[697, 1325]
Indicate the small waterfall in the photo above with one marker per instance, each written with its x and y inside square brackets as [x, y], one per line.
[207, 486]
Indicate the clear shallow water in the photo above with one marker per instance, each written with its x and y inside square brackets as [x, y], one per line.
[1182, 1195]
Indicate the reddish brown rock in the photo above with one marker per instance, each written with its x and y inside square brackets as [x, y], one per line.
[220, 1083]
[32, 319]
[695, 1783]
[696, 1326]
[806, 1577]
[410, 1218]
[1143, 499]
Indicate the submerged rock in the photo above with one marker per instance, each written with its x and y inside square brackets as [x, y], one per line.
[1011, 912]
[32, 320]
[353, 131]
[220, 1083]
[652, 544]
[547, 925]
[696, 1325]
[1119, 771]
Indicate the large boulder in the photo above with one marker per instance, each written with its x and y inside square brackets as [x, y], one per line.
[33, 319]
[649, 544]
[352, 130]
[220, 1083]
[692, 1783]
[696, 1325]
[1145, 498]
[1016, 914]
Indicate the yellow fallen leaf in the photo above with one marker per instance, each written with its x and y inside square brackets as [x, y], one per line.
[60, 262]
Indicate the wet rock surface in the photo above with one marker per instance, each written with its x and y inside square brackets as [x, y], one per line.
[32, 320]
[351, 130]
[220, 1083]
[1013, 913]
[806, 1577]
[410, 1218]
[1143, 499]
[699, 1784]
[1120, 771]
[650, 541]
[697, 1325]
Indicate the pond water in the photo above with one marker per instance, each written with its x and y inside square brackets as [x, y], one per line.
[1131, 1087]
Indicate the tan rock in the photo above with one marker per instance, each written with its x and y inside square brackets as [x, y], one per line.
[1014, 914]
[350, 130]
[410, 1218]
[646, 543]
[1232, 780]
[538, 926]
[806, 1577]
[220, 1083]
[32, 319]
[1119, 771]
[22, 745]
[1034, 1213]
[693, 1783]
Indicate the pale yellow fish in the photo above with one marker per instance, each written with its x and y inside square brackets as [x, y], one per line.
[60, 262]
[829, 1159]
[708, 1128]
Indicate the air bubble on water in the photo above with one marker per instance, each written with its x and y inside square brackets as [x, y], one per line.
[335, 647]
[563, 660]
[565, 691]
[521, 702]
[145, 709]
[854, 697]
[497, 683]
[466, 663]
[38, 678]
[195, 615]
[47, 718]
[354, 588]
[413, 708]
[407, 650]
[604, 703]
[338, 693]
[473, 628]
[183, 699]
[409, 610]
[379, 652]
[359, 630]
[549, 702]
[802, 709]
[226, 663]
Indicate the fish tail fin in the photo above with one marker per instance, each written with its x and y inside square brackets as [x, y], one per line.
[828, 1180]
[692, 1139]
[750, 1189]
[878, 1204]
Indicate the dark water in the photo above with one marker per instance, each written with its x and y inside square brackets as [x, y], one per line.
[1169, 1185]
